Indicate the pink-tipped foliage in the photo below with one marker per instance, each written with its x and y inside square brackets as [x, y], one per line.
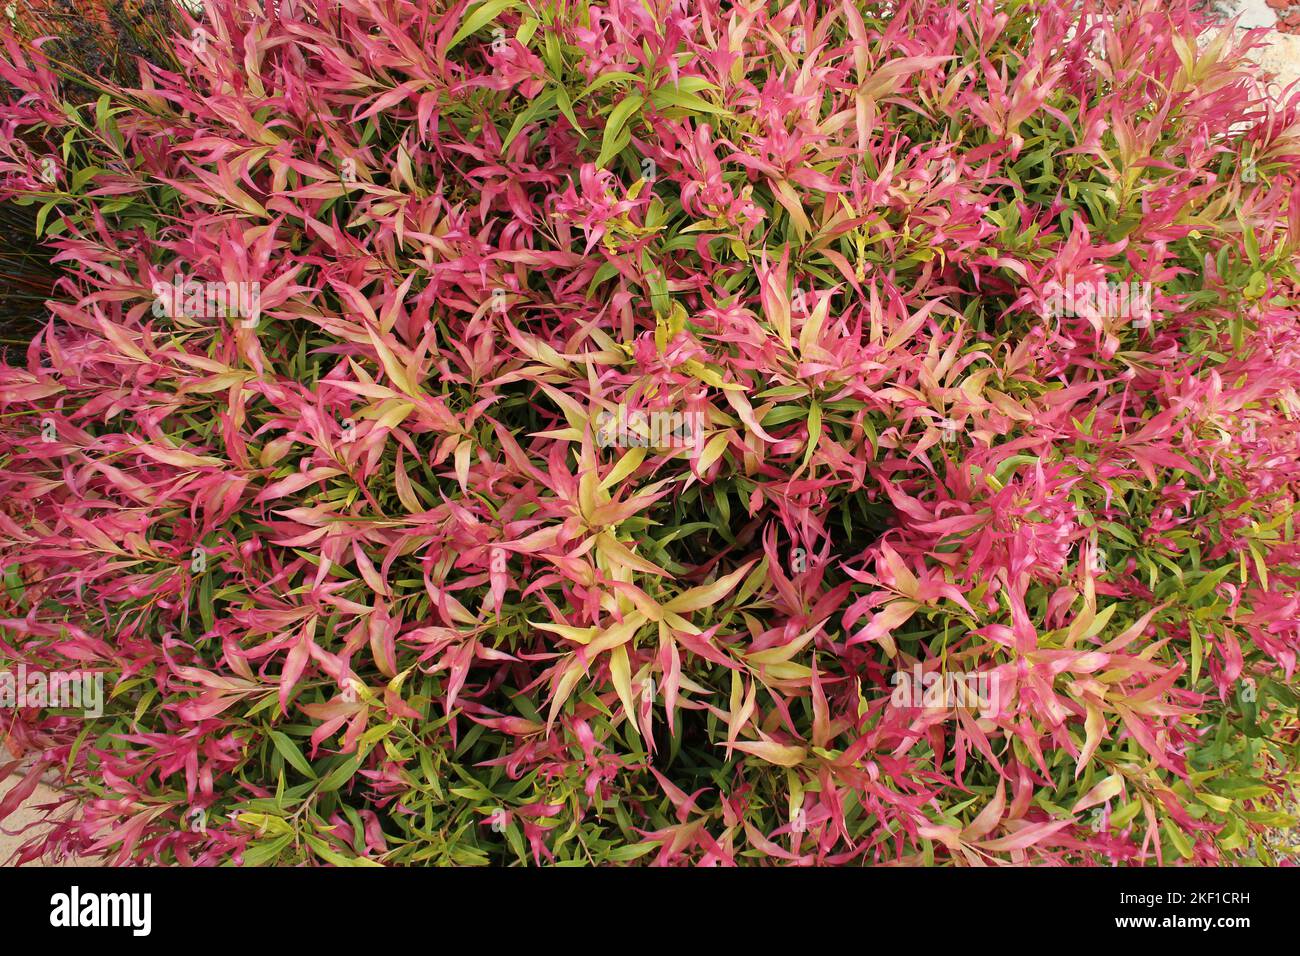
[367, 581]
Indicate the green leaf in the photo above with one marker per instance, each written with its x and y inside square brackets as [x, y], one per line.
[610, 144]
[1207, 584]
[482, 15]
[41, 215]
[631, 851]
[340, 774]
[667, 97]
[329, 855]
[263, 852]
[566, 107]
[534, 111]
[292, 755]
[1177, 838]
[1198, 650]
[83, 176]
[615, 76]
[1256, 286]
[814, 432]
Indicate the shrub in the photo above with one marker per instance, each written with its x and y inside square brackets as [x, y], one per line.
[83, 43]
[673, 432]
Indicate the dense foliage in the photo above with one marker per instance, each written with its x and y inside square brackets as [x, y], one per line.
[380, 565]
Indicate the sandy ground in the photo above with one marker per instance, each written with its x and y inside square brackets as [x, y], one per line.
[1281, 56]
[26, 814]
